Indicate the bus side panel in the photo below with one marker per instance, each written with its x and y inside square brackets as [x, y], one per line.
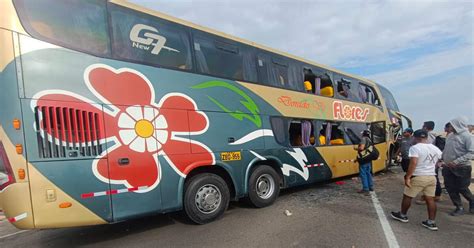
[15, 198]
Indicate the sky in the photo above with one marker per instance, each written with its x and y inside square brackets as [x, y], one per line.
[422, 51]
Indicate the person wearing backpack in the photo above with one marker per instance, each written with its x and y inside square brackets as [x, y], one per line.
[366, 152]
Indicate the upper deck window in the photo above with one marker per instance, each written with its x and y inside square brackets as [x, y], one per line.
[368, 95]
[80, 25]
[150, 40]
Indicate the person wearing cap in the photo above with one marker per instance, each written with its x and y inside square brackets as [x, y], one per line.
[405, 143]
[420, 177]
[365, 170]
[458, 154]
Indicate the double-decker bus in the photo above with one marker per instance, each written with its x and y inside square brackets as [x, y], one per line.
[109, 111]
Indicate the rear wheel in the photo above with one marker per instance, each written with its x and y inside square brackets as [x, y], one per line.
[206, 198]
[264, 186]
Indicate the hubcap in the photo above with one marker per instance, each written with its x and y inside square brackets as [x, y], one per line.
[208, 198]
[265, 186]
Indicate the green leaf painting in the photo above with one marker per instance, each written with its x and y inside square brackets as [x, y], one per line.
[248, 103]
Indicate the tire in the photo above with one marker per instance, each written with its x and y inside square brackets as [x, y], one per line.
[264, 186]
[206, 198]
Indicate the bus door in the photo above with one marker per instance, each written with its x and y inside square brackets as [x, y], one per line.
[379, 138]
[64, 139]
[134, 169]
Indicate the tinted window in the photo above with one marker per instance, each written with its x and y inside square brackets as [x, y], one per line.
[278, 71]
[224, 58]
[354, 131]
[378, 132]
[148, 39]
[388, 97]
[80, 25]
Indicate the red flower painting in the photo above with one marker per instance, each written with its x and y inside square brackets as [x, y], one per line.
[136, 127]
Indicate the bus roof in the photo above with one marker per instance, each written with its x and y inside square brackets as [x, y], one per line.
[139, 8]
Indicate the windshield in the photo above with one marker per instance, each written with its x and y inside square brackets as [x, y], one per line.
[388, 97]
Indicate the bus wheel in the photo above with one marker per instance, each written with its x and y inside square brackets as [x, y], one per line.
[206, 198]
[264, 186]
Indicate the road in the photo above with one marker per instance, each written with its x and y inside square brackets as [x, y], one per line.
[326, 215]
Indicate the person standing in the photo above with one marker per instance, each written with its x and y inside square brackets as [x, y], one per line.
[365, 167]
[429, 126]
[405, 143]
[457, 156]
[420, 177]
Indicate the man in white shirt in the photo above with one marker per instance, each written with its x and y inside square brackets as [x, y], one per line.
[420, 177]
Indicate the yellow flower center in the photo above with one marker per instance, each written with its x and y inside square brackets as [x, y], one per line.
[144, 128]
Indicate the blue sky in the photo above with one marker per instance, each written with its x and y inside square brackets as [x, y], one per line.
[420, 50]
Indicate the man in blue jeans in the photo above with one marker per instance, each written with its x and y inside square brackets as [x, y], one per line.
[365, 170]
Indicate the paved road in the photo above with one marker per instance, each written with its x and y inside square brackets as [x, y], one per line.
[328, 215]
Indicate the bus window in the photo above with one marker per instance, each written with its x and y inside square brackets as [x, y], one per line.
[80, 25]
[353, 131]
[378, 132]
[332, 132]
[344, 88]
[301, 133]
[367, 95]
[218, 58]
[151, 40]
[325, 85]
[280, 73]
[309, 81]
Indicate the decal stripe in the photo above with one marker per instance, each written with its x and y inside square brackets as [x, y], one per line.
[313, 165]
[112, 192]
[18, 218]
[253, 135]
[350, 160]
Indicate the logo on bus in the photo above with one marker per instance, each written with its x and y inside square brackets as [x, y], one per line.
[343, 111]
[146, 38]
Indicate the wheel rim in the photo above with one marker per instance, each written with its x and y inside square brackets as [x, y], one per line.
[208, 198]
[265, 186]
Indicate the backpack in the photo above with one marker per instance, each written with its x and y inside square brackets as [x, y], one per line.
[440, 142]
[369, 154]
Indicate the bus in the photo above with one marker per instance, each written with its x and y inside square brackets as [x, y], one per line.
[110, 111]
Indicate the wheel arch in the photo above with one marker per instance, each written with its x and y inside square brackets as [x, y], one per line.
[271, 161]
[219, 169]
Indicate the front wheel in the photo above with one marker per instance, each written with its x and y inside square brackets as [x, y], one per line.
[206, 198]
[264, 186]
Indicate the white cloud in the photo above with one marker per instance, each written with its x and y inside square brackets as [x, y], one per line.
[426, 66]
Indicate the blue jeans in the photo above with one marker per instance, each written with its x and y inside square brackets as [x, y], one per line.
[366, 176]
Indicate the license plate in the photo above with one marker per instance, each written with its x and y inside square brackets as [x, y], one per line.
[230, 156]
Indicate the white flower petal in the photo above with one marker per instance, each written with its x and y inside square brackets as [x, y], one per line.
[160, 122]
[138, 145]
[125, 121]
[135, 112]
[127, 136]
[150, 113]
[151, 144]
[161, 136]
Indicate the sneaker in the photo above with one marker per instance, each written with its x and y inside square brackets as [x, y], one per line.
[430, 225]
[457, 212]
[361, 191]
[398, 216]
[371, 189]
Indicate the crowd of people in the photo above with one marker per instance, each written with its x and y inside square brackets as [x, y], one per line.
[424, 154]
